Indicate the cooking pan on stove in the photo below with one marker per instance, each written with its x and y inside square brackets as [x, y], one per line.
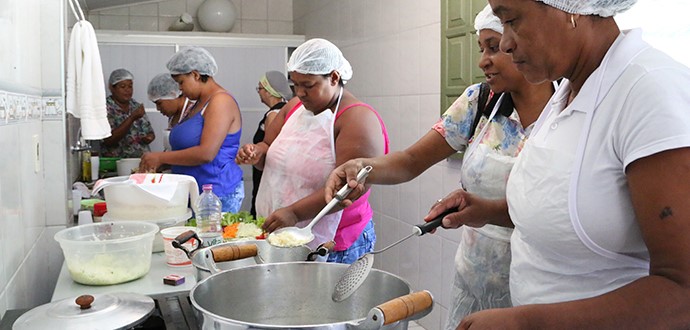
[231, 255]
[297, 295]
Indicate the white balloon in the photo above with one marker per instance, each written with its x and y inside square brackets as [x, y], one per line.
[216, 15]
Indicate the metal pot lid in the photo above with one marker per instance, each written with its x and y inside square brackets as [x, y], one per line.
[106, 311]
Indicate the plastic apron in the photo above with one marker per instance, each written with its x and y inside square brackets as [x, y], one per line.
[297, 164]
[483, 258]
[542, 199]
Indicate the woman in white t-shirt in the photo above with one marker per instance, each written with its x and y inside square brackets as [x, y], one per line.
[599, 194]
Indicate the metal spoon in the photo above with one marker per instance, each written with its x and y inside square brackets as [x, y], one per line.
[304, 235]
[357, 272]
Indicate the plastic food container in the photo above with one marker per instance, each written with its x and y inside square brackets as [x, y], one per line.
[127, 166]
[151, 197]
[108, 252]
[107, 164]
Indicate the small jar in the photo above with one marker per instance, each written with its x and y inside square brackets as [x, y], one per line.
[99, 209]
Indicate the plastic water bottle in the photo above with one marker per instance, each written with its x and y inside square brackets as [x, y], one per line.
[208, 217]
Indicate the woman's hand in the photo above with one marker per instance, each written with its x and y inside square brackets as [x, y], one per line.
[150, 162]
[249, 154]
[138, 113]
[474, 211]
[345, 173]
[502, 318]
[280, 218]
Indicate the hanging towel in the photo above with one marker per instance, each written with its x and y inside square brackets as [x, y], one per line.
[85, 83]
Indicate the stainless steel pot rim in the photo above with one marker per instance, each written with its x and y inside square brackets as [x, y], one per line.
[252, 325]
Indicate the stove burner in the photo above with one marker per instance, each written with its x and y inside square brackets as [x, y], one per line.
[172, 312]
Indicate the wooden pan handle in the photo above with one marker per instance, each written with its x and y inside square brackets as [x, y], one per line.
[234, 252]
[403, 307]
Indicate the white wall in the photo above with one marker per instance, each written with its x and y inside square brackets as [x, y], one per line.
[394, 48]
[253, 16]
[33, 151]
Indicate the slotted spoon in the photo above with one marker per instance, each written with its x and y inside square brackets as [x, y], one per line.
[304, 235]
[358, 271]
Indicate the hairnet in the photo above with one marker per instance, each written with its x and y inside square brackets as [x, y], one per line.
[486, 20]
[603, 8]
[319, 56]
[119, 75]
[276, 84]
[192, 59]
[163, 87]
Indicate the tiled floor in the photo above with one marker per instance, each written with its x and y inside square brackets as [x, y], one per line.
[412, 325]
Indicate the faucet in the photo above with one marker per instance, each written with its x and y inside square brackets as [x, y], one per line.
[80, 145]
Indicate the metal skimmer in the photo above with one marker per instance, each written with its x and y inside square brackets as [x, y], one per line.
[357, 272]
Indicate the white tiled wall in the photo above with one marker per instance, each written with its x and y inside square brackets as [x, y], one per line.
[32, 176]
[394, 48]
[253, 16]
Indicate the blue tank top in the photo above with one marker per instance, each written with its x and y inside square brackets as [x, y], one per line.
[221, 172]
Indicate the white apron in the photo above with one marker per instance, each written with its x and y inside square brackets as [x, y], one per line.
[482, 260]
[297, 164]
[553, 258]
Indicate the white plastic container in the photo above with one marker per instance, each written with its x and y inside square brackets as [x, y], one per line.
[108, 252]
[125, 166]
[175, 257]
[156, 197]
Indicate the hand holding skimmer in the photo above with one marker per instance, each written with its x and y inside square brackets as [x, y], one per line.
[304, 235]
[357, 272]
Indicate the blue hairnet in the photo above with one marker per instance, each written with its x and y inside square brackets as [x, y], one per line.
[119, 75]
[486, 20]
[192, 59]
[163, 87]
[318, 57]
[603, 8]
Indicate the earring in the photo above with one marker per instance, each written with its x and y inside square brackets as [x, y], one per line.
[572, 21]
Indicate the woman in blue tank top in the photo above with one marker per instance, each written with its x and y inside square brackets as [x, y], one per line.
[205, 142]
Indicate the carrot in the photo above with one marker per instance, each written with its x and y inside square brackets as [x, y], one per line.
[231, 230]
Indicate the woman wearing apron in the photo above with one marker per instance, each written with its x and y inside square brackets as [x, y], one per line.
[483, 257]
[326, 127]
[599, 195]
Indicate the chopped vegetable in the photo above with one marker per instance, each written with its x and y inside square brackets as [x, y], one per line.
[231, 230]
[230, 223]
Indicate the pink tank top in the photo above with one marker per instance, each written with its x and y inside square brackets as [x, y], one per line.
[357, 215]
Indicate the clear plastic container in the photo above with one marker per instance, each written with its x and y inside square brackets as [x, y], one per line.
[108, 252]
[208, 217]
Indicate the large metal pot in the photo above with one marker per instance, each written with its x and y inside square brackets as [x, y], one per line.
[231, 255]
[297, 295]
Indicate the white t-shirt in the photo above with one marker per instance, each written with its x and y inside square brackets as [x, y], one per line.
[641, 107]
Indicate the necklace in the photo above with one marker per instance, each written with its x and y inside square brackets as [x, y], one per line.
[193, 109]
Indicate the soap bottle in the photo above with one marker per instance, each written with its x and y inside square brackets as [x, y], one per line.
[86, 166]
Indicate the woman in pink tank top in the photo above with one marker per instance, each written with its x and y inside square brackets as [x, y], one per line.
[325, 127]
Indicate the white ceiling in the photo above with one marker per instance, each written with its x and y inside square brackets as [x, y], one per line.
[88, 5]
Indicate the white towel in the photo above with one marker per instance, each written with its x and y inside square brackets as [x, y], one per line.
[85, 83]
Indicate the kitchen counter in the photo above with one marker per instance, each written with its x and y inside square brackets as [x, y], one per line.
[150, 284]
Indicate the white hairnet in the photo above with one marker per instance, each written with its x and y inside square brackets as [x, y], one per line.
[603, 8]
[119, 75]
[276, 84]
[163, 87]
[486, 20]
[319, 57]
[193, 59]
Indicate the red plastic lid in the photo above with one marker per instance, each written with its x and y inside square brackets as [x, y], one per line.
[99, 209]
